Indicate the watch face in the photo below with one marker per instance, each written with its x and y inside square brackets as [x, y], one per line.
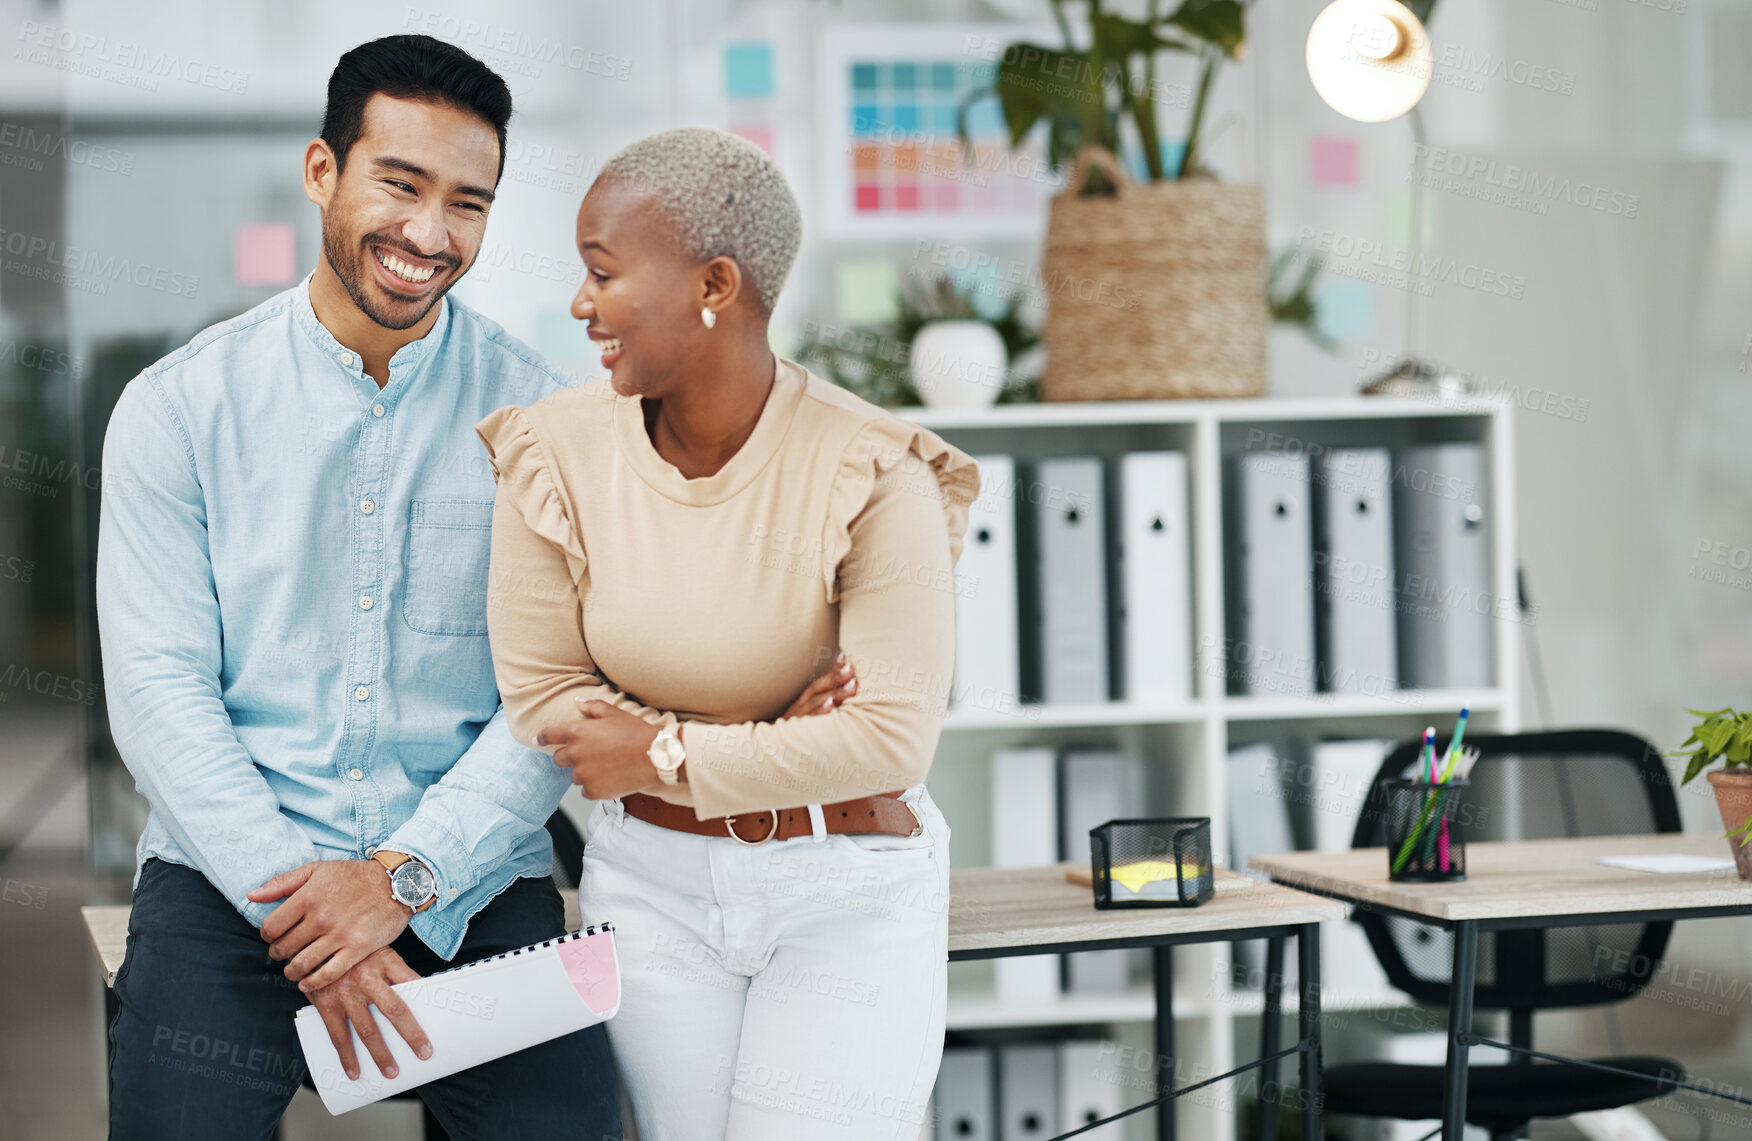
[412, 883]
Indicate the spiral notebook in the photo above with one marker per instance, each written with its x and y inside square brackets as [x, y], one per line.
[475, 1013]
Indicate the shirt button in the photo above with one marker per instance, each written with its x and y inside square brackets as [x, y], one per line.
[362, 693]
[377, 410]
[365, 602]
[356, 774]
[349, 359]
[367, 507]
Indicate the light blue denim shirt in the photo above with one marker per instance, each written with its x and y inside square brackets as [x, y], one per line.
[291, 598]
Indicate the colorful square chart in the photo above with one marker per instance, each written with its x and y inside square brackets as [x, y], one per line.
[906, 156]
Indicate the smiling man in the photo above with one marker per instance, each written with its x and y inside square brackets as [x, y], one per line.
[291, 588]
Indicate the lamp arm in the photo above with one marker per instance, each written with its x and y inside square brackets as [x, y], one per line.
[1414, 280]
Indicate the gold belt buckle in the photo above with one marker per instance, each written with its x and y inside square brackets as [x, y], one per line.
[918, 824]
[730, 827]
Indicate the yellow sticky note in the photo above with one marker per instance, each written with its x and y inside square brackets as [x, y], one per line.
[1139, 876]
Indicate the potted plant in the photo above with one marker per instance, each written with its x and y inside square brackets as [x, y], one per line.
[1726, 736]
[940, 351]
[1158, 287]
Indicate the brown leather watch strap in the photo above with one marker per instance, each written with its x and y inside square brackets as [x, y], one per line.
[390, 863]
[883, 814]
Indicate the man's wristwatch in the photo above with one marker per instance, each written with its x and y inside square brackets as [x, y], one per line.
[667, 754]
[410, 882]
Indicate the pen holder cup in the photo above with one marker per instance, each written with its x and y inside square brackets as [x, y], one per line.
[1164, 862]
[1424, 838]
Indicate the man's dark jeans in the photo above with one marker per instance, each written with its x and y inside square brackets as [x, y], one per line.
[204, 1045]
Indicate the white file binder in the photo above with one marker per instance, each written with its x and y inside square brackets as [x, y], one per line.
[1446, 606]
[1087, 1087]
[988, 674]
[1095, 786]
[1154, 547]
[1273, 651]
[1028, 1092]
[1336, 787]
[1353, 572]
[473, 1014]
[1025, 835]
[1070, 552]
[1259, 825]
[964, 1099]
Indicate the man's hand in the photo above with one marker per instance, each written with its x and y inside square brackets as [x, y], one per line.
[336, 913]
[350, 1000]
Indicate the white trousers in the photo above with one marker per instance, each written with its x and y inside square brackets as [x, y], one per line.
[793, 990]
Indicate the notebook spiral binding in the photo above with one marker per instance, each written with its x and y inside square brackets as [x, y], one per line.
[593, 929]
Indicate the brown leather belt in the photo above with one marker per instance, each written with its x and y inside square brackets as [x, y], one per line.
[883, 814]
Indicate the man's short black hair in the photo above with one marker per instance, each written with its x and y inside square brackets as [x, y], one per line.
[411, 67]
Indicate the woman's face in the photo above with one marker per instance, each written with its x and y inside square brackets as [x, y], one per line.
[641, 297]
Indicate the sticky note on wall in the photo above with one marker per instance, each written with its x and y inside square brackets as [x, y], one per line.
[264, 254]
[748, 71]
[1333, 161]
[760, 136]
[1345, 310]
[1396, 218]
[865, 290]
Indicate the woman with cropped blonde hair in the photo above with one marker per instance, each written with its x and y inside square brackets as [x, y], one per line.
[725, 526]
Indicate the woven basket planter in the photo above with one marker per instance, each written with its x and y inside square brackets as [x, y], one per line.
[1156, 292]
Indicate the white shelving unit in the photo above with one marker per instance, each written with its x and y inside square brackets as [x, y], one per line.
[1185, 746]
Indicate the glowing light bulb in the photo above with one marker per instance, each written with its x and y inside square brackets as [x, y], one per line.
[1369, 59]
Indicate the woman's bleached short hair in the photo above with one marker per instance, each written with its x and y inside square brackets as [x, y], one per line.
[723, 196]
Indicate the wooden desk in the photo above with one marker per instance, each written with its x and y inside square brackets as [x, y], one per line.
[1516, 886]
[995, 913]
[1000, 912]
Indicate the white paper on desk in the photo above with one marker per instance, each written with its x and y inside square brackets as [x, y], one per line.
[475, 1013]
[1668, 863]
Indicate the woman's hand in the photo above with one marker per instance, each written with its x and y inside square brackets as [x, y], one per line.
[608, 750]
[825, 692]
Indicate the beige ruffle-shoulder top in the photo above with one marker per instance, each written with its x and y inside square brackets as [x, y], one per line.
[714, 601]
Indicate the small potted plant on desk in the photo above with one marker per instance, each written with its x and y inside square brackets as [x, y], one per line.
[1726, 736]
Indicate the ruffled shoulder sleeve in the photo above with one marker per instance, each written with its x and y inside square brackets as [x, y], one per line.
[526, 479]
[883, 445]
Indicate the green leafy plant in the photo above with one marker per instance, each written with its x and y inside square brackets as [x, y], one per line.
[873, 360]
[1295, 304]
[1084, 94]
[1726, 736]
[1723, 735]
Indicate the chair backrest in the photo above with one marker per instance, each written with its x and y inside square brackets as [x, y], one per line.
[1534, 786]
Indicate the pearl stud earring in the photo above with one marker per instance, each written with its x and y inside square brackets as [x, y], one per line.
[708, 317]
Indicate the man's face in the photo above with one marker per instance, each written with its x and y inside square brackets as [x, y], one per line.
[405, 217]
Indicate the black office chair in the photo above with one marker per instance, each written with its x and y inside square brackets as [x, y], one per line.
[1532, 786]
[568, 868]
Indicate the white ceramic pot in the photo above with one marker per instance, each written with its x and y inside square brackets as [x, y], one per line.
[958, 364]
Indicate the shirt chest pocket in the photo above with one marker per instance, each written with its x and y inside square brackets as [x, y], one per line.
[449, 543]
